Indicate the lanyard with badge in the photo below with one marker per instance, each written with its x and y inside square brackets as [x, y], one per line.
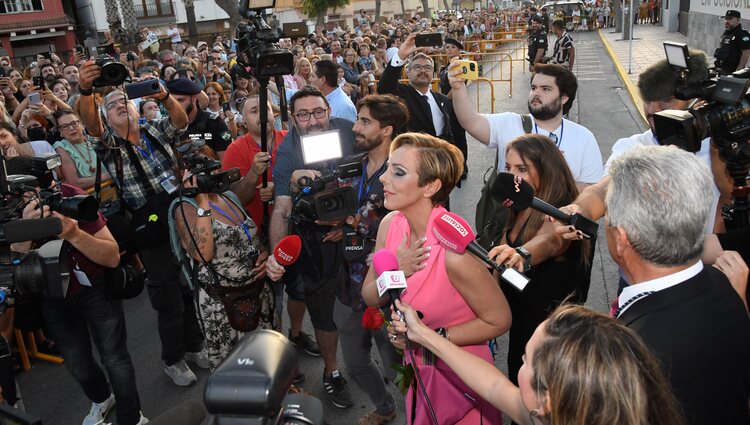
[236, 218]
[552, 135]
[166, 178]
[356, 247]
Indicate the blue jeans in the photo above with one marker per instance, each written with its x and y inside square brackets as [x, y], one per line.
[76, 320]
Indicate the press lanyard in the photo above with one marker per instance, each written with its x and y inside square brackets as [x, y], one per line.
[369, 182]
[558, 142]
[150, 157]
[240, 221]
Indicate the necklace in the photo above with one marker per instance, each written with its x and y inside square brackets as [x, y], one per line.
[87, 156]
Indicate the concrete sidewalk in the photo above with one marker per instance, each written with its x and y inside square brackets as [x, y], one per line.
[647, 49]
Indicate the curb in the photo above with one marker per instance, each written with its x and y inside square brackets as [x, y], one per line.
[629, 85]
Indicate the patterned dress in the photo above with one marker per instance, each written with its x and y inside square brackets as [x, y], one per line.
[234, 258]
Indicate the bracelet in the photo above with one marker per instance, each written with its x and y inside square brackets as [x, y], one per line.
[85, 92]
[444, 333]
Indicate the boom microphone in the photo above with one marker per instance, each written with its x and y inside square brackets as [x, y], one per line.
[30, 229]
[189, 412]
[390, 278]
[515, 193]
[287, 250]
[454, 233]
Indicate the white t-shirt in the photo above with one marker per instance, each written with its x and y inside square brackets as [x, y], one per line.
[647, 139]
[174, 34]
[390, 53]
[575, 141]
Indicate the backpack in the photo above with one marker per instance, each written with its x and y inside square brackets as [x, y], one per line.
[490, 216]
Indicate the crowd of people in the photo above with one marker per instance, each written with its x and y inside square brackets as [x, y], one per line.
[211, 279]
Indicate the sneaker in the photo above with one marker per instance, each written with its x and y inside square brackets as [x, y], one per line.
[99, 411]
[143, 420]
[338, 390]
[375, 418]
[200, 359]
[181, 374]
[306, 343]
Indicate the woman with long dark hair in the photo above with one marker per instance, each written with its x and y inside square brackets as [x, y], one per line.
[558, 268]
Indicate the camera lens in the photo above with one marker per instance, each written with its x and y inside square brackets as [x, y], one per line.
[330, 204]
[81, 207]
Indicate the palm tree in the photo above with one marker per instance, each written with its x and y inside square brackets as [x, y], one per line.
[232, 8]
[129, 20]
[426, 8]
[319, 8]
[377, 10]
[190, 15]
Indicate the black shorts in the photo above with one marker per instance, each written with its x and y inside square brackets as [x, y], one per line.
[319, 296]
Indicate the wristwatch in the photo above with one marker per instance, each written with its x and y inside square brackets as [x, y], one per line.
[523, 252]
[203, 213]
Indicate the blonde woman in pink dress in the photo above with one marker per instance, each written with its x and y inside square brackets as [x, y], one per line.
[455, 293]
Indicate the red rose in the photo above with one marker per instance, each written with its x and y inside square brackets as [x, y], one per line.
[372, 318]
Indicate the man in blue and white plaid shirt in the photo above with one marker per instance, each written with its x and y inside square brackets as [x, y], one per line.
[142, 161]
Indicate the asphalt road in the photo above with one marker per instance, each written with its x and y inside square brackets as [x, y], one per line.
[602, 106]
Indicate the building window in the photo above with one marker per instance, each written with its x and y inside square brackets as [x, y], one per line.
[20, 6]
[153, 8]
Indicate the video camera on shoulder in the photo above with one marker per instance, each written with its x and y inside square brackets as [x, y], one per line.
[315, 203]
[202, 169]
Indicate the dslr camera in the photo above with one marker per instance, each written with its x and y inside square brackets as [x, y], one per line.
[113, 73]
[202, 169]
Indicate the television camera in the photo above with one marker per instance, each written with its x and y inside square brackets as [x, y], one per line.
[202, 169]
[723, 114]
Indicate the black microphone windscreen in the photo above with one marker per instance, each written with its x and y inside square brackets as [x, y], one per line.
[32, 229]
[512, 191]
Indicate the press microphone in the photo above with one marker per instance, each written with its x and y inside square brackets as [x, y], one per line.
[30, 229]
[454, 233]
[287, 250]
[390, 278]
[515, 193]
[190, 412]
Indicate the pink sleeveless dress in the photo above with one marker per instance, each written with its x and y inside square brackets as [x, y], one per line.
[431, 292]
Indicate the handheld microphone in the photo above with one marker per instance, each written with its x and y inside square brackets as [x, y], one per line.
[30, 229]
[287, 250]
[390, 278]
[454, 233]
[515, 193]
[189, 412]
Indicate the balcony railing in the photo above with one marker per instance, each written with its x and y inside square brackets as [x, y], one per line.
[153, 8]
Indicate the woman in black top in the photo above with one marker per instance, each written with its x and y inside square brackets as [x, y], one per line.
[557, 268]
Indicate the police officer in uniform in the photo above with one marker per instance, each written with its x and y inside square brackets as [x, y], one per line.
[734, 48]
[537, 42]
[203, 124]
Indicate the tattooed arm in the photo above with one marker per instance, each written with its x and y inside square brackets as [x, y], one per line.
[202, 242]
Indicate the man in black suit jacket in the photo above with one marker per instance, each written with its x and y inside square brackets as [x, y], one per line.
[689, 316]
[431, 111]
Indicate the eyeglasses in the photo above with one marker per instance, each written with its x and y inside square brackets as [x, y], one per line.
[116, 102]
[426, 68]
[304, 116]
[69, 126]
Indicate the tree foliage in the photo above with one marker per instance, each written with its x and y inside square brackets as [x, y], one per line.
[319, 8]
[231, 7]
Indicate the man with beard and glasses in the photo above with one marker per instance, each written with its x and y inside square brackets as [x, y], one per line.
[431, 112]
[202, 124]
[320, 271]
[553, 90]
[380, 119]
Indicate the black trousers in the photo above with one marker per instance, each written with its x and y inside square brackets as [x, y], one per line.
[178, 326]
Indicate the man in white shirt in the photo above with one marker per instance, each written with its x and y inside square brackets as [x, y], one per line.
[174, 35]
[325, 78]
[553, 90]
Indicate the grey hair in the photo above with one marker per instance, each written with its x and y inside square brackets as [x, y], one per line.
[660, 196]
[103, 106]
[420, 56]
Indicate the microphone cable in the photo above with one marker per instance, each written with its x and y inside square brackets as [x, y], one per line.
[418, 375]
